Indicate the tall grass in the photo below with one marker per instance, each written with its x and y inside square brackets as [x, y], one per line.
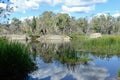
[105, 44]
[78, 37]
[15, 62]
[119, 73]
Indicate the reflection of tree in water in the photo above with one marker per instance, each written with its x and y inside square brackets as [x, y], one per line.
[33, 51]
[78, 72]
[45, 51]
[75, 62]
[65, 53]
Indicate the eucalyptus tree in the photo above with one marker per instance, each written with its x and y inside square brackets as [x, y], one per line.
[26, 26]
[63, 22]
[103, 24]
[16, 24]
[83, 24]
[95, 24]
[109, 24]
[117, 25]
[73, 28]
[47, 21]
[5, 10]
[33, 24]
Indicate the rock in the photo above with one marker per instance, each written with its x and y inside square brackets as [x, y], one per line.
[16, 37]
[54, 37]
[66, 38]
[95, 35]
[118, 78]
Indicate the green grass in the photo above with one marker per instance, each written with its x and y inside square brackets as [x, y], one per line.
[78, 37]
[105, 44]
[15, 62]
[119, 73]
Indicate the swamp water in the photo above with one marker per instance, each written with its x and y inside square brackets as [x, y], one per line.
[64, 61]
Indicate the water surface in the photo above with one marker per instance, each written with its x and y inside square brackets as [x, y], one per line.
[63, 61]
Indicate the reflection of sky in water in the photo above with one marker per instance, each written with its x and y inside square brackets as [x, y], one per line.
[112, 65]
[56, 71]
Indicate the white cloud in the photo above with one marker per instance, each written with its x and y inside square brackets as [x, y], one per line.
[98, 1]
[99, 14]
[55, 2]
[85, 9]
[78, 2]
[23, 5]
[2, 5]
[116, 15]
[80, 5]
[73, 2]
[23, 18]
[31, 4]
[66, 5]
[80, 72]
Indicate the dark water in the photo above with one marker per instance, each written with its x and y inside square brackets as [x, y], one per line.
[63, 61]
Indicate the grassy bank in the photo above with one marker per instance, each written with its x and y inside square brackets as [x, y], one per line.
[15, 62]
[78, 37]
[105, 44]
[119, 73]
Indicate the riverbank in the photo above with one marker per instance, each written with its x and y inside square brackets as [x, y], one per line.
[107, 44]
[15, 37]
[42, 38]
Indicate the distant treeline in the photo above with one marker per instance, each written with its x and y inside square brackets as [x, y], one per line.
[61, 23]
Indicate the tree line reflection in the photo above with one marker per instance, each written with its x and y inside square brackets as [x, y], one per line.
[66, 53]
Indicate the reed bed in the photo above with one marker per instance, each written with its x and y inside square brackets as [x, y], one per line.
[119, 73]
[105, 44]
[15, 62]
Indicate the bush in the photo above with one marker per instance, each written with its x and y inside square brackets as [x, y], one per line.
[15, 62]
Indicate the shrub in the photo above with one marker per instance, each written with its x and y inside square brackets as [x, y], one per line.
[15, 62]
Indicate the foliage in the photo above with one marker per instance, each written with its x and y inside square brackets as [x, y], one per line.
[46, 21]
[78, 37]
[51, 23]
[5, 11]
[15, 62]
[16, 25]
[33, 25]
[83, 24]
[16, 22]
[103, 24]
[63, 21]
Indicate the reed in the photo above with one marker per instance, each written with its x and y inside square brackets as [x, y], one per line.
[105, 44]
[119, 73]
[75, 37]
[15, 62]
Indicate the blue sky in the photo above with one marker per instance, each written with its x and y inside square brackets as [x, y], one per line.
[75, 8]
